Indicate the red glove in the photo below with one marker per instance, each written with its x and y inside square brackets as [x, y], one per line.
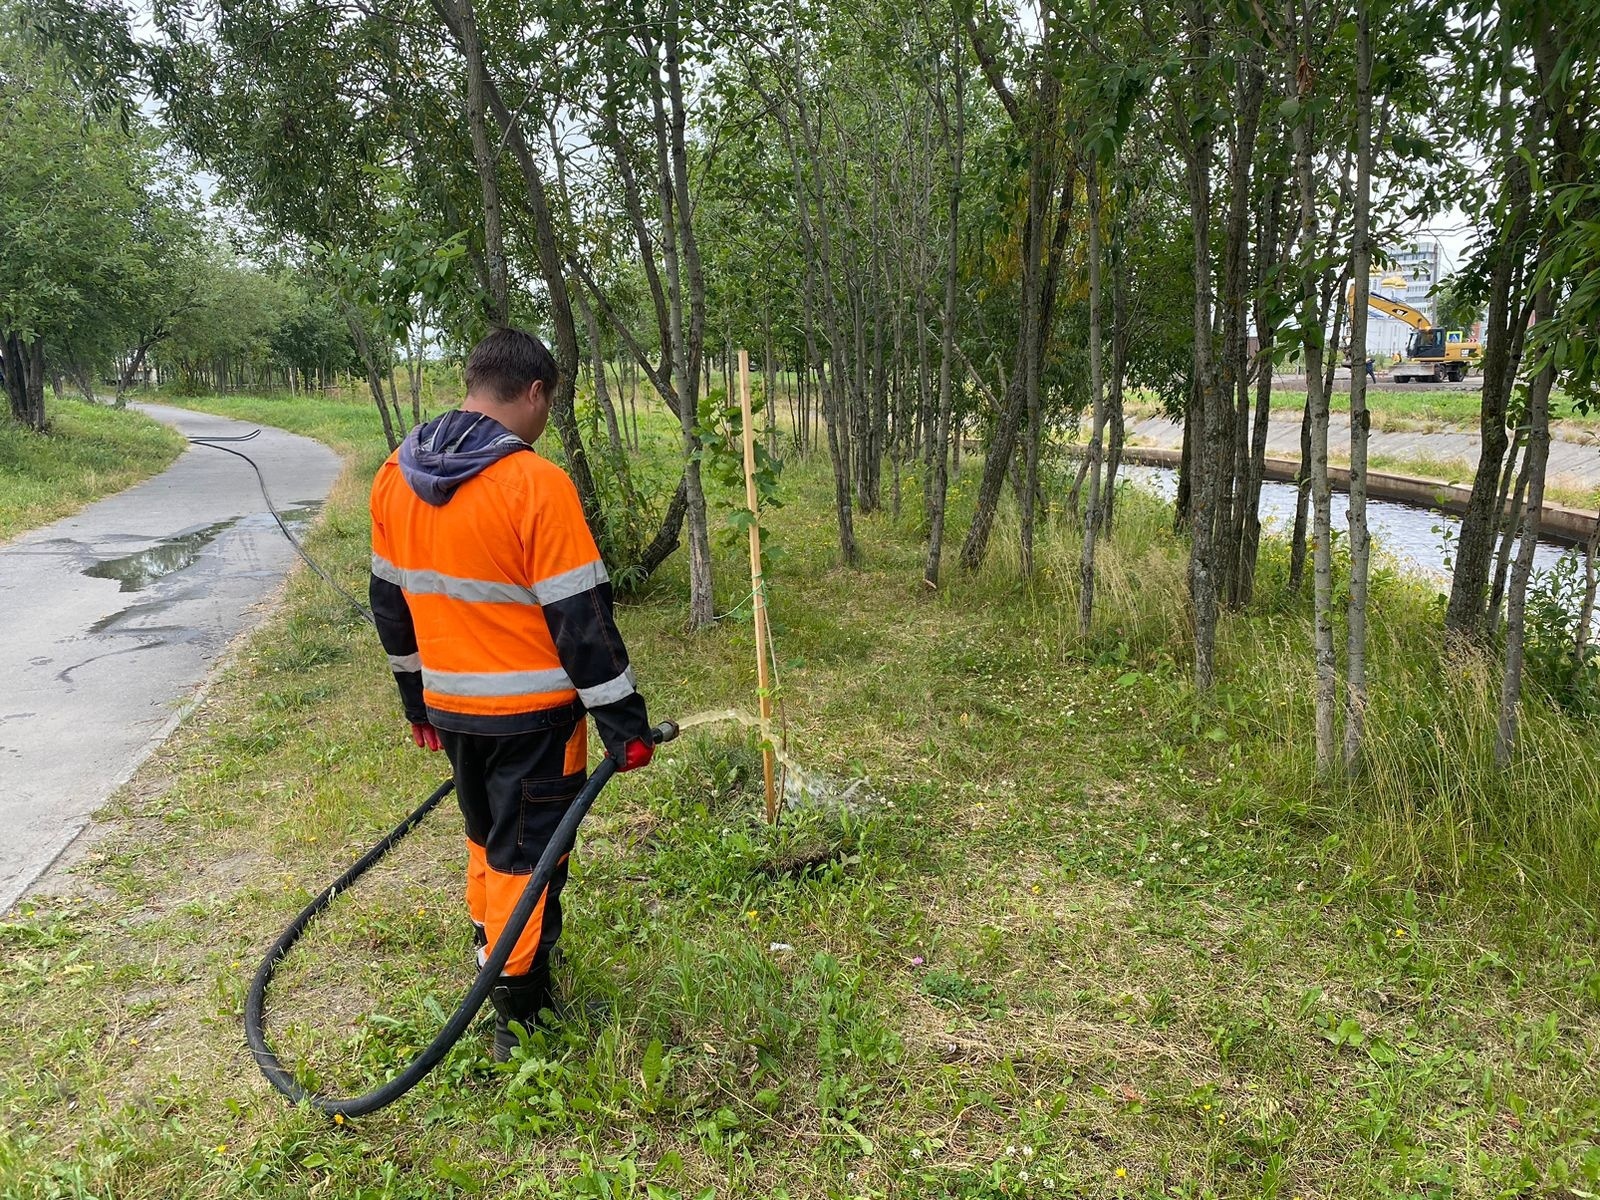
[636, 754]
[425, 735]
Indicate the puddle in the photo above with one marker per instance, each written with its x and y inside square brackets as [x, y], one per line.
[299, 516]
[141, 569]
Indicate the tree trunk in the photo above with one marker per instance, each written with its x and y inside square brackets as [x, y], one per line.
[1584, 632]
[1466, 612]
[1205, 441]
[394, 395]
[415, 365]
[702, 610]
[363, 345]
[770, 377]
[633, 401]
[33, 377]
[1510, 520]
[597, 368]
[16, 359]
[1038, 126]
[498, 300]
[1266, 337]
[456, 13]
[83, 379]
[819, 300]
[1517, 602]
[1355, 692]
[130, 370]
[1120, 333]
[1302, 501]
[1312, 315]
[1232, 409]
[1093, 515]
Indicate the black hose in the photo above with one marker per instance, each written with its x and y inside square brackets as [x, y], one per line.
[560, 844]
[283, 525]
[488, 975]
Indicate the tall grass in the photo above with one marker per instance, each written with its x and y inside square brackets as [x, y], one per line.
[1429, 808]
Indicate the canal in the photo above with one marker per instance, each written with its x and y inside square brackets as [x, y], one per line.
[1418, 540]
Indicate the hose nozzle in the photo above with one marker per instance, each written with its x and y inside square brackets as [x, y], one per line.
[664, 732]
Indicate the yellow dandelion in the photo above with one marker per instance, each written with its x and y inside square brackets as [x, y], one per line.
[222, 1148]
[338, 1118]
[1122, 1172]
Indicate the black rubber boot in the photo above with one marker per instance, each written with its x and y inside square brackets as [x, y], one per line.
[519, 998]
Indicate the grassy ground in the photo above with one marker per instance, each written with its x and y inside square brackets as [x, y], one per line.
[1080, 933]
[1423, 408]
[1415, 408]
[1411, 407]
[88, 452]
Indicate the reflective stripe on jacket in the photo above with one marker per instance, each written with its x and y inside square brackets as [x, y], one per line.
[494, 606]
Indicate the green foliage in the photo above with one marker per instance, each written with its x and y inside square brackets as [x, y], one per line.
[102, 246]
[243, 318]
[720, 428]
[1556, 659]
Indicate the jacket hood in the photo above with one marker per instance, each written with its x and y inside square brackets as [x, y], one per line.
[438, 457]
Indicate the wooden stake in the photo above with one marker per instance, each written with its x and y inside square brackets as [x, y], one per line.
[758, 593]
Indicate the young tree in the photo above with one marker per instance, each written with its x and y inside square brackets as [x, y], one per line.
[83, 225]
[1355, 692]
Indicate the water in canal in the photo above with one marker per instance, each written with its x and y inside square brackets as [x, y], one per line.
[1419, 540]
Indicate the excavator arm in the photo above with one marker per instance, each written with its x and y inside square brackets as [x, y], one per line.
[1401, 312]
[1394, 308]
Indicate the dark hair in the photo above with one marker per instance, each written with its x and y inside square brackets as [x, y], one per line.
[509, 361]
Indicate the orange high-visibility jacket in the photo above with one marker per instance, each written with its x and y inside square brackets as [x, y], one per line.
[490, 596]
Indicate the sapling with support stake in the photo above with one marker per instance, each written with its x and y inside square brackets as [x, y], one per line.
[758, 597]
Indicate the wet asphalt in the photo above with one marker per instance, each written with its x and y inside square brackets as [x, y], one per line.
[117, 615]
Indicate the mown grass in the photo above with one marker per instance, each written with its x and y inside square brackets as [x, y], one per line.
[1421, 407]
[1413, 408]
[1082, 932]
[88, 452]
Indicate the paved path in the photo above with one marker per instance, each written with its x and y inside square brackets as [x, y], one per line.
[1574, 452]
[116, 615]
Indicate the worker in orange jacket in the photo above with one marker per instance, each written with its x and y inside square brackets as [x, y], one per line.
[495, 610]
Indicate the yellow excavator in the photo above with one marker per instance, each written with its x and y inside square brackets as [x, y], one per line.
[1432, 355]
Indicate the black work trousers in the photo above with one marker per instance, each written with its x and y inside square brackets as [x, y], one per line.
[513, 792]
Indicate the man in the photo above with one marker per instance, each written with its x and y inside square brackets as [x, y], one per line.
[495, 610]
